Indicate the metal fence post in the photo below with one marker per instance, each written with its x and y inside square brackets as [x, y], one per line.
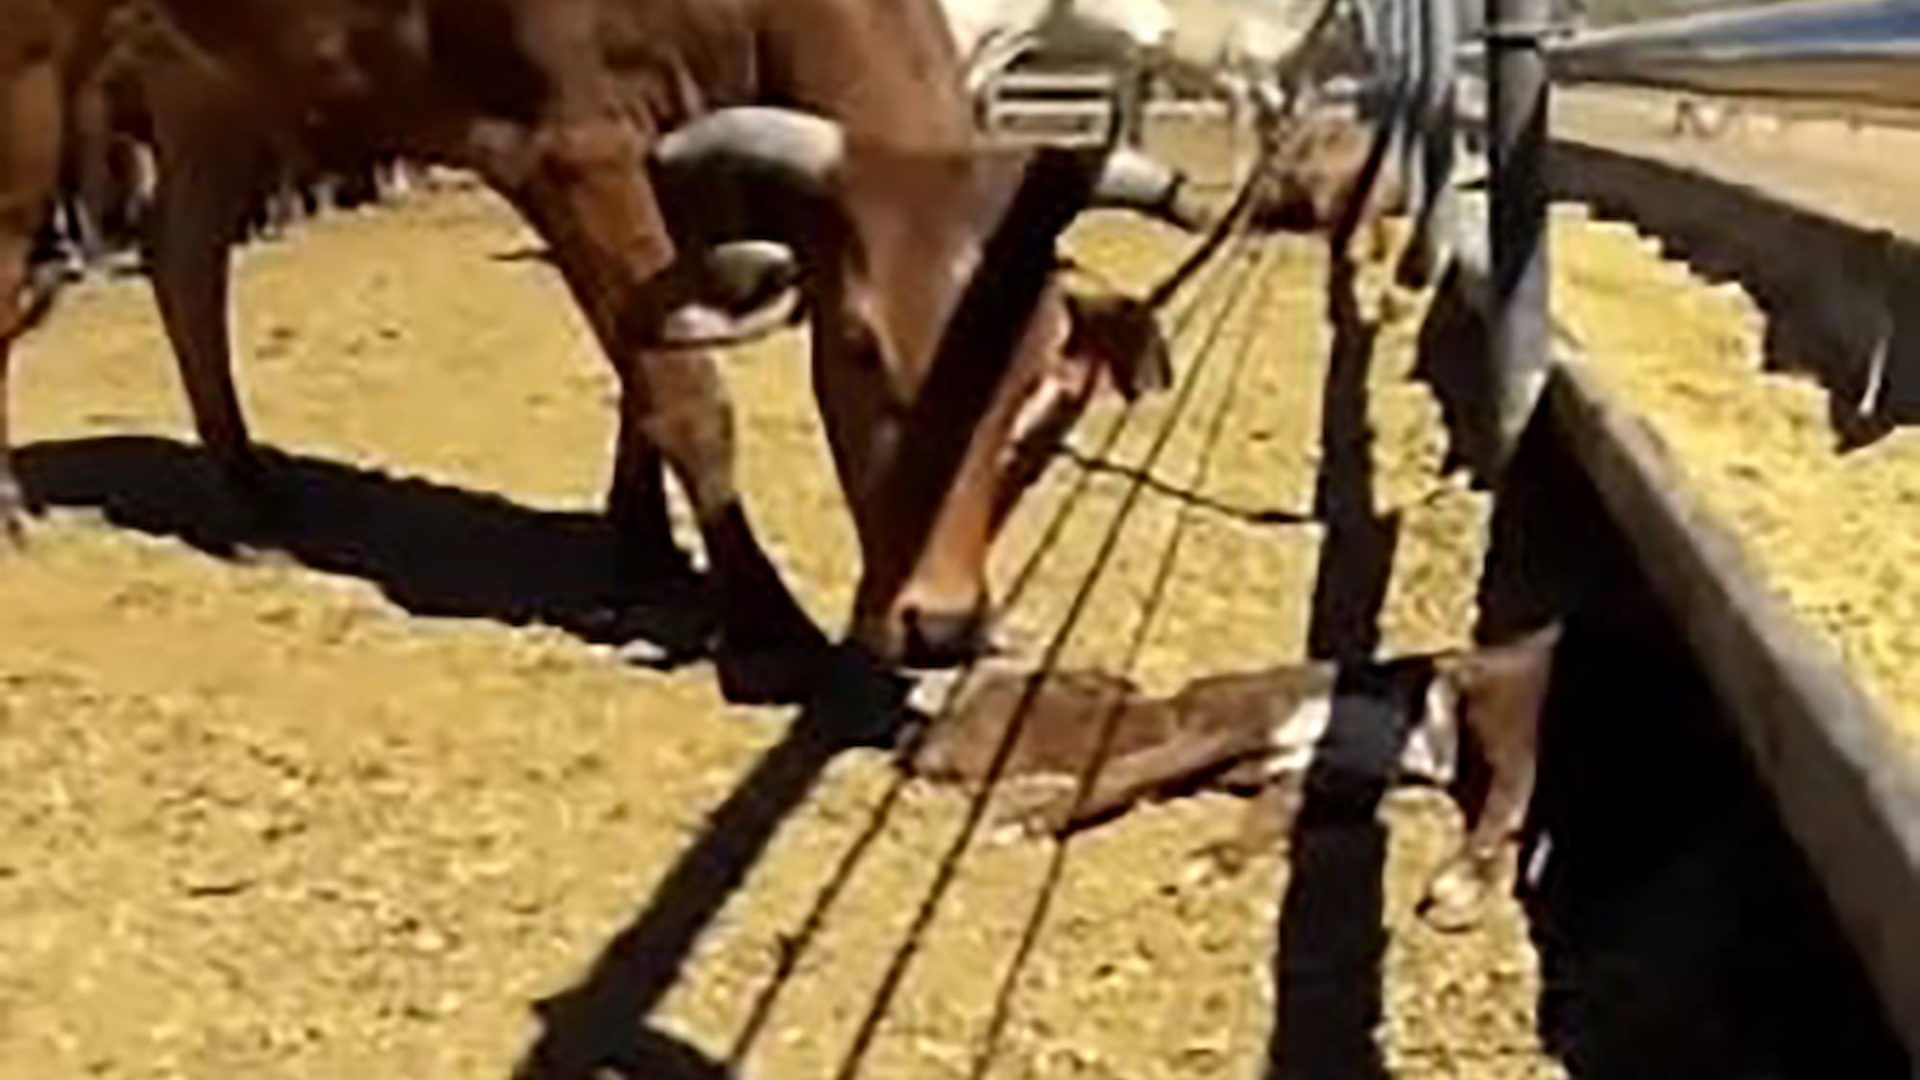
[1435, 210]
[1413, 78]
[1518, 112]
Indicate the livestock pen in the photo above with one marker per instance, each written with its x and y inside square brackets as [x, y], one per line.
[399, 793]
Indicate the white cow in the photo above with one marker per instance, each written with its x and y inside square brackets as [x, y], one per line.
[992, 34]
[1200, 42]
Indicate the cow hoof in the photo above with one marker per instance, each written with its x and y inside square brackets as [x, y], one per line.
[1458, 897]
[13, 517]
[766, 675]
[856, 701]
[661, 570]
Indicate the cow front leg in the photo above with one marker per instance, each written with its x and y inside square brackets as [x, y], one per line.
[637, 504]
[206, 188]
[578, 186]
[768, 649]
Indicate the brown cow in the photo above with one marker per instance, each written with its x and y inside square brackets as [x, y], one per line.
[928, 261]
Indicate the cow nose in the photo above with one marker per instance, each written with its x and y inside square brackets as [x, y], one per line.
[942, 639]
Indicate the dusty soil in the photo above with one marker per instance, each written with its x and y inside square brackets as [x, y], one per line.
[354, 808]
[1860, 172]
[1835, 534]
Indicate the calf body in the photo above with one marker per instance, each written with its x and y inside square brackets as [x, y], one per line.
[1354, 728]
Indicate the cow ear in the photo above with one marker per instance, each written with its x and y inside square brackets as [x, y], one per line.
[1120, 335]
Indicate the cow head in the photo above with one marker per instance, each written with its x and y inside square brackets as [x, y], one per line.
[936, 317]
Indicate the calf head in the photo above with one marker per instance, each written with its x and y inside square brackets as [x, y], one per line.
[931, 278]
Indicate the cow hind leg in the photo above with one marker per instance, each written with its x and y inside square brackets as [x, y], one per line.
[30, 128]
[768, 648]
[14, 255]
[203, 201]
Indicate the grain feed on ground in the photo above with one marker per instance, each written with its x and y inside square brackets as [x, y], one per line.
[1837, 535]
[356, 811]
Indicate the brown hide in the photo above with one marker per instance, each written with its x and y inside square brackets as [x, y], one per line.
[555, 103]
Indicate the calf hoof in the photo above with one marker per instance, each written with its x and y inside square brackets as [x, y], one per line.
[1461, 893]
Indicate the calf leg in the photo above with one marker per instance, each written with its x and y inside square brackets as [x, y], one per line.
[1131, 778]
[596, 211]
[1503, 692]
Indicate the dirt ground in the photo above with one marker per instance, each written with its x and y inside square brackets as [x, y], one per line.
[1811, 157]
[355, 808]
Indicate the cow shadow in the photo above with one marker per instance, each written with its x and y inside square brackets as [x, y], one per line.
[432, 549]
[1680, 933]
[444, 551]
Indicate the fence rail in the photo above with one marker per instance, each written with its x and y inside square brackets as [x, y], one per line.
[1850, 800]
[1859, 52]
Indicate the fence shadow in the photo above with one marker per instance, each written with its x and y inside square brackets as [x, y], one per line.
[439, 550]
[599, 1028]
[1331, 940]
[1356, 556]
[432, 549]
[1451, 358]
[1679, 933]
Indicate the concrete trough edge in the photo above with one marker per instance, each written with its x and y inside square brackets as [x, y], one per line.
[1846, 793]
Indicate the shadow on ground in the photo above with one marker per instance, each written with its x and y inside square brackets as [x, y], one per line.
[1331, 940]
[598, 1029]
[439, 550]
[432, 549]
